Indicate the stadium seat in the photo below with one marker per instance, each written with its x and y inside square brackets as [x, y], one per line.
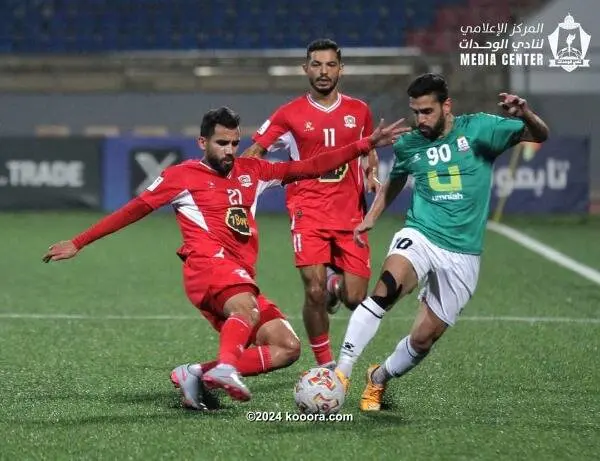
[78, 26]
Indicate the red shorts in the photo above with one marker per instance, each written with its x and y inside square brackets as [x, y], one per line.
[210, 282]
[322, 246]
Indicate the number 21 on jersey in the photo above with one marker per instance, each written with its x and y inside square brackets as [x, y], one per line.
[444, 155]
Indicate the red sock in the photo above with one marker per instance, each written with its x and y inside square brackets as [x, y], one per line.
[253, 361]
[234, 336]
[321, 348]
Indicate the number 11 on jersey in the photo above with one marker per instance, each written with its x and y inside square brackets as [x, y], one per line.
[329, 134]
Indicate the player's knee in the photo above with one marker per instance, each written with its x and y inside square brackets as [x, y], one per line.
[387, 291]
[248, 313]
[291, 349]
[316, 293]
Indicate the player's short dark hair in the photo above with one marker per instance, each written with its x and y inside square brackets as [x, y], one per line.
[428, 84]
[323, 44]
[222, 116]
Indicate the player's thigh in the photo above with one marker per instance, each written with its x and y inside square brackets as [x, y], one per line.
[407, 264]
[311, 247]
[354, 261]
[231, 291]
[314, 278]
[451, 285]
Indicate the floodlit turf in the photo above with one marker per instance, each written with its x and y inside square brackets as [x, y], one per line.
[97, 387]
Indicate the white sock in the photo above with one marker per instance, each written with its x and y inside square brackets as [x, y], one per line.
[362, 327]
[402, 360]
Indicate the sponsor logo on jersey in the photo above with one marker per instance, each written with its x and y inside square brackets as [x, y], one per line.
[336, 175]
[237, 220]
[349, 121]
[462, 144]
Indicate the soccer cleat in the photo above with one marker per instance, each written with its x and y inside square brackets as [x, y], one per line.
[373, 393]
[190, 387]
[227, 378]
[334, 281]
[345, 381]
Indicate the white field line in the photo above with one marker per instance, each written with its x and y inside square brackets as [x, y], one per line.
[499, 318]
[546, 251]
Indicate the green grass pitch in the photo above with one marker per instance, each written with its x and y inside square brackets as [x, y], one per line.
[517, 378]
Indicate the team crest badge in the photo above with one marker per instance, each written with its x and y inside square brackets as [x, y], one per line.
[308, 126]
[349, 121]
[577, 41]
[245, 180]
[462, 144]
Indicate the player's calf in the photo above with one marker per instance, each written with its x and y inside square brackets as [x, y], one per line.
[353, 290]
[427, 329]
[314, 313]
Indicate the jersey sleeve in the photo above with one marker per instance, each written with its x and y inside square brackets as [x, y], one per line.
[499, 133]
[164, 188]
[270, 131]
[310, 168]
[400, 165]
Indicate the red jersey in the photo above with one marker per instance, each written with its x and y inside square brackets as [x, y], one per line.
[215, 213]
[335, 200]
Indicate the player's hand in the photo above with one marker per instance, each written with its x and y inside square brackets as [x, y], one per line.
[61, 250]
[513, 104]
[386, 135]
[365, 226]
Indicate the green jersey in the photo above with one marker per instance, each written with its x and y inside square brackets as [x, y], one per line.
[453, 178]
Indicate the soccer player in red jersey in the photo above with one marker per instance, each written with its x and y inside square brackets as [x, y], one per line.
[214, 201]
[324, 211]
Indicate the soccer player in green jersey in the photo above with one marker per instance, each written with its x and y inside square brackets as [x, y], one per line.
[451, 160]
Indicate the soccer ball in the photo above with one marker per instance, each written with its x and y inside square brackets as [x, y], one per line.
[319, 391]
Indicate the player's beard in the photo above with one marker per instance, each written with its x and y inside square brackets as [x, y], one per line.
[223, 165]
[321, 90]
[435, 131]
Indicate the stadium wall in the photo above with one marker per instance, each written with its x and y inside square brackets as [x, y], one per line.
[103, 174]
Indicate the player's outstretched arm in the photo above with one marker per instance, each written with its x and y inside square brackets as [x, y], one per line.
[327, 161]
[536, 129]
[133, 211]
[385, 196]
[255, 150]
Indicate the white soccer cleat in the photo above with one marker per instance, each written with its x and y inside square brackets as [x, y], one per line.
[190, 386]
[226, 377]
